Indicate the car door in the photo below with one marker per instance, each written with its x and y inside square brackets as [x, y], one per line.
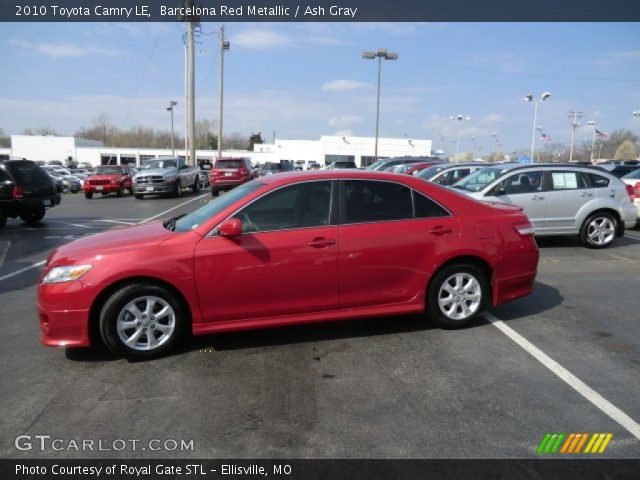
[524, 189]
[285, 262]
[385, 248]
[566, 193]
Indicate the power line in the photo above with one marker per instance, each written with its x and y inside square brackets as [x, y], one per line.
[146, 67]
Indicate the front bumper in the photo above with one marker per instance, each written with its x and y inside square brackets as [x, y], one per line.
[153, 188]
[109, 188]
[63, 313]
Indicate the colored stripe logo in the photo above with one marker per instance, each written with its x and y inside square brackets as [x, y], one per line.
[574, 443]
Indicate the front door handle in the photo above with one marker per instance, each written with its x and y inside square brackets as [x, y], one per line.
[321, 242]
[537, 197]
[586, 194]
[440, 230]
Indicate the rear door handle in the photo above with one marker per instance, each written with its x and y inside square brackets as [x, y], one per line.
[537, 197]
[321, 242]
[586, 194]
[440, 230]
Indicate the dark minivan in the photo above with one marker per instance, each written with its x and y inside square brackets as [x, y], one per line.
[26, 191]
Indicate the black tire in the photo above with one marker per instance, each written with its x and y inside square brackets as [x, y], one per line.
[33, 215]
[65, 189]
[88, 195]
[437, 314]
[138, 196]
[215, 192]
[120, 191]
[3, 220]
[115, 304]
[589, 230]
[178, 190]
[196, 185]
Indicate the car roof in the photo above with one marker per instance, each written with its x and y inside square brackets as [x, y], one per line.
[298, 176]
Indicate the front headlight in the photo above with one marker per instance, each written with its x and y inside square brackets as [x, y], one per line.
[66, 274]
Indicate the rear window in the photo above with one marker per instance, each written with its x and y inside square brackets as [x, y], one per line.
[238, 163]
[598, 180]
[28, 173]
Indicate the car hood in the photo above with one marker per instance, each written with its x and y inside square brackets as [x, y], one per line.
[118, 239]
[155, 171]
[105, 177]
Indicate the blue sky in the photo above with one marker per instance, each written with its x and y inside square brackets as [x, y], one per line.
[305, 80]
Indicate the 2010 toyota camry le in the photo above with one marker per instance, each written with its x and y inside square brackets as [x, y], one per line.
[288, 249]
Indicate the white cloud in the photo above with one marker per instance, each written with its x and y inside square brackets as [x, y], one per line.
[343, 133]
[344, 121]
[344, 85]
[63, 49]
[261, 39]
[492, 119]
[504, 62]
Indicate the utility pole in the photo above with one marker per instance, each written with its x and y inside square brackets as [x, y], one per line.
[224, 45]
[274, 137]
[574, 118]
[172, 104]
[192, 92]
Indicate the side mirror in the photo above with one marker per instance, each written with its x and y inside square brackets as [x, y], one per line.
[231, 228]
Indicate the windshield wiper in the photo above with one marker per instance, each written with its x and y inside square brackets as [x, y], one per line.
[170, 223]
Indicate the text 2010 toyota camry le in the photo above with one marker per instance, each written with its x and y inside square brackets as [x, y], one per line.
[288, 249]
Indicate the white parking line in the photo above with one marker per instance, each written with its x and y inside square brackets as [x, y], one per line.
[118, 221]
[565, 375]
[38, 264]
[18, 272]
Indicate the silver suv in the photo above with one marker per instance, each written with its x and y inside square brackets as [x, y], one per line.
[559, 199]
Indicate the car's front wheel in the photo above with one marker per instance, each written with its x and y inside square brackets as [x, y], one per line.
[88, 195]
[142, 321]
[196, 185]
[457, 294]
[120, 191]
[178, 189]
[138, 196]
[3, 220]
[33, 215]
[215, 192]
[599, 230]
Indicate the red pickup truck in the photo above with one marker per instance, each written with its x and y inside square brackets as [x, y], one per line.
[108, 179]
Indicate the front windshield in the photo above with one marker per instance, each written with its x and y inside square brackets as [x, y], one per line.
[196, 218]
[159, 164]
[634, 175]
[106, 171]
[429, 172]
[479, 179]
[375, 165]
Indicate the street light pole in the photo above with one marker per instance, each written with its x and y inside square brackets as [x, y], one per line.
[224, 45]
[458, 119]
[529, 98]
[172, 104]
[380, 55]
[593, 138]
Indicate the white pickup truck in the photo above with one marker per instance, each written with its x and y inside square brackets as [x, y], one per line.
[165, 176]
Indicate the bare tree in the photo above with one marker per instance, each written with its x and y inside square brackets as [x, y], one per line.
[44, 131]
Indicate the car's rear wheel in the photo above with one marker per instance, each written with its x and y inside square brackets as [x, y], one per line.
[457, 294]
[599, 230]
[88, 195]
[196, 185]
[33, 215]
[3, 220]
[178, 189]
[215, 192]
[142, 321]
[138, 197]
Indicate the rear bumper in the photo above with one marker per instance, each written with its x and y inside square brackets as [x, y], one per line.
[13, 207]
[226, 183]
[515, 276]
[63, 313]
[631, 213]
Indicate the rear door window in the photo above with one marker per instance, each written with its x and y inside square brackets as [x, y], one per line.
[28, 174]
[523, 182]
[229, 164]
[376, 201]
[598, 181]
[566, 181]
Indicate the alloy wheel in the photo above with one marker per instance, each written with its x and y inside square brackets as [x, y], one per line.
[146, 323]
[460, 296]
[601, 231]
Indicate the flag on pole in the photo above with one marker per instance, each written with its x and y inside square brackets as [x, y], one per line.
[601, 135]
[545, 138]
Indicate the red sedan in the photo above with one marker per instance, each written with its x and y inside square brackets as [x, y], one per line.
[288, 249]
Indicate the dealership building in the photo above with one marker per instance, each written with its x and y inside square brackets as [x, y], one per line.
[328, 149]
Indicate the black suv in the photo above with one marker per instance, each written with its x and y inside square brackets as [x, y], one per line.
[26, 191]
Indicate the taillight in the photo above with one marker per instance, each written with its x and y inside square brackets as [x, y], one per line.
[635, 192]
[18, 192]
[524, 229]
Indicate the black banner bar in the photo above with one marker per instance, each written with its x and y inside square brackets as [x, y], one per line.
[320, 11]
[574, 469]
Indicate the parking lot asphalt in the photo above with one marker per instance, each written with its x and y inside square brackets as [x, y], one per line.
[377, 388]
